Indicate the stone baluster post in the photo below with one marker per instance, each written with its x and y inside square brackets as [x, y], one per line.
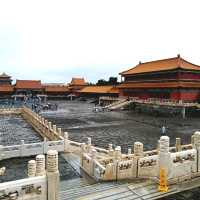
[118, 153]
[165, 156]
[66, 142]
[117, 159]
[93, 156]
[54, 129]
[110, 149]
[192, 141]
[31, 168]
[52, 175]
[46, 122]
[43, 125]
[129, 151]
[59, 132]
[40, 165]
[178, 144]
[138, 149]
[89, 145]
[83, 150]
[138, 153]
[196, 140]
[50, 125]
[40, 119]
[49, 129]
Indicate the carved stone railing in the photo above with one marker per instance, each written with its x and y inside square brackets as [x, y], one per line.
[24, 150]
[42, 126]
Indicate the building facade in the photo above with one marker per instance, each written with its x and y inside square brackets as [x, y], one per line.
[27, 87]
[98, 91]
[56, 90]
[76, 85]
[173, 78]
[6, 88]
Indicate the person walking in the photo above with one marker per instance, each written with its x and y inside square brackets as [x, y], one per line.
[163, 130]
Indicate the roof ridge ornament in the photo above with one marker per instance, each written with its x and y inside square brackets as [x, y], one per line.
[179, 60]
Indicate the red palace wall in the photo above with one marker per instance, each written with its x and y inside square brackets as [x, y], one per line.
[189, 96]
[185, 95]
[175, 95]
[189, 76]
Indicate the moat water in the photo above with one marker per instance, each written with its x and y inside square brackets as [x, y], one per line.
[119, 128]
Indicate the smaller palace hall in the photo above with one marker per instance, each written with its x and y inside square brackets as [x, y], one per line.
[172, 78]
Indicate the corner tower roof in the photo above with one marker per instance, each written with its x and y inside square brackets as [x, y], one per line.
[4, 75]
[78, 81]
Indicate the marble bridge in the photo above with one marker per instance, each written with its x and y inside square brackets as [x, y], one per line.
[115, 175]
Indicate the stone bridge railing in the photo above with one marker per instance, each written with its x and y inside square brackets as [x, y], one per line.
[30, 188]
[78, 148]
[16, 111]
[24, 150]
[42, 182]
[163, 102]
[41, 125]
[181, 162]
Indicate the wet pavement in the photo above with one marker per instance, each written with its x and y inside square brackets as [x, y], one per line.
[119, 128]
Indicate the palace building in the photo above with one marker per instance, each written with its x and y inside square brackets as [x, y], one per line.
[5, 79]
[76, 85]
[172, 78]
[26, 87]
[6, 88]
[98, 91]
[55, 90]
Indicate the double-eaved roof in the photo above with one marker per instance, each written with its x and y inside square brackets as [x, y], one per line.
[161, 65]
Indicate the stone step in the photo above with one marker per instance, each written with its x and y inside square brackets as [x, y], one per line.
[73, 160]
[113, 193]
[73, 183]
[79, 192]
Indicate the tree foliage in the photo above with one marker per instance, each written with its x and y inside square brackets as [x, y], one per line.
[111, 81]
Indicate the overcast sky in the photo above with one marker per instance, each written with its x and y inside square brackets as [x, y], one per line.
[55, 40]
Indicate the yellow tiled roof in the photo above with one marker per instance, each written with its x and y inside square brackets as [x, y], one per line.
[99, 89]
[161, 65]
